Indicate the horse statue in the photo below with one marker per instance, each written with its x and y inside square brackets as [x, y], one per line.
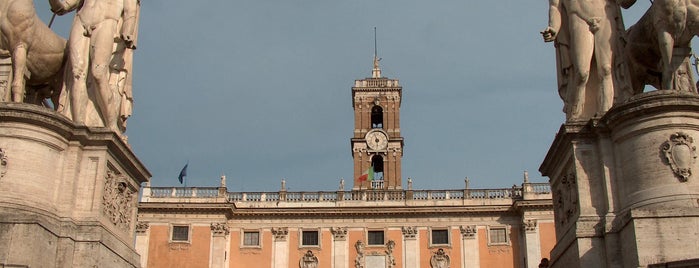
[37, 53]
[658, 45]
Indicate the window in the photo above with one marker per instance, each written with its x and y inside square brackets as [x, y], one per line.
[251, 238]
[375, 237]
[180, 233]
[440, 237]
[497, 235]
[309, 238]
[376, 117]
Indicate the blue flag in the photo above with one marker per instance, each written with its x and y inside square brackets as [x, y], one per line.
[183, 173]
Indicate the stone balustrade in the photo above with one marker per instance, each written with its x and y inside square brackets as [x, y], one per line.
[526, 191]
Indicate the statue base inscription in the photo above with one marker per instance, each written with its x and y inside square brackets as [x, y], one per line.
[68, 193]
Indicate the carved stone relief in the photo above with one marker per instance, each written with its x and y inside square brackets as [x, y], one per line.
[440, 259]
[308, 260]
[529, 226]
[280, 233]
[339, 233]
[219, 229]
[141, 227]
[409, 232]
[566, 199]
[469, 231]
[680, 154]
[359, 260]
[3, 163]
[118, 200]
[390, 259]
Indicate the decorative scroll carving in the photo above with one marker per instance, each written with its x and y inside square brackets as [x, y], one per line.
[530, 226]
[280, 233]
[118, 200]
[339, 233]
[440, 259]
[359, 260]
[141, 227]
[409, 232]
[3, 163]
[680, 154]
[469, 231]
[308, 260]
[390, 260]
[219, 229]
[566, 199]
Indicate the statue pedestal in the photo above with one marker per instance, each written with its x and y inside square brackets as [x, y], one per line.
[623, 187]
[68, 194]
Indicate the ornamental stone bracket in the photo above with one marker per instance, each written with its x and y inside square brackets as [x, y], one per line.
[308, 260]
[118, 200]
[469, 231]
[141, 227]
[529, 226]
[280, 234]
[409, 232]
[440, 259]
[680, 154]
[3, 163]
[219, 229]
[339, 233]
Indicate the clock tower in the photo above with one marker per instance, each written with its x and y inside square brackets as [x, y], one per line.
[377, 146]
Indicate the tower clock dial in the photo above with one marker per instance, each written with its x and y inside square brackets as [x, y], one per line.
[376, 140]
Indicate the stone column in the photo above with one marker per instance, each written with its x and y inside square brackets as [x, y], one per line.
[280, 250]
[340, 247]
[411, 249]
[469, 247]
[532, 243]
[219, 244]
[142, 241]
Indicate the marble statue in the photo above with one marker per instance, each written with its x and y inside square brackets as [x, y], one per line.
[585, 34]
[36, 53]
[100, 47]
[658, 45]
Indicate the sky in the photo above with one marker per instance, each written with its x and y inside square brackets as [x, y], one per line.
[260, 90]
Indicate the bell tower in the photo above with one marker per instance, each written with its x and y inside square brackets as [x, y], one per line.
[377, 146]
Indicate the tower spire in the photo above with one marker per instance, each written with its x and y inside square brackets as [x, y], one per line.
[376, 72]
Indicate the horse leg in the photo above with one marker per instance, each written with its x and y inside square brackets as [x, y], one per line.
[665, 44]
[19, 66]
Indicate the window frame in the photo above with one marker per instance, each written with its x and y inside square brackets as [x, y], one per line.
[247, 231]
[505, 228]
[319, 237]
[448, 233]
[179, 225]
[383, 235]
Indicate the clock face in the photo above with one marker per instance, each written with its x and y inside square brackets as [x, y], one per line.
[376, 140]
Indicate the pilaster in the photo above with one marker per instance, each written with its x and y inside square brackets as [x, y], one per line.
[142, 242]
[411, 259]
[280, 248]
[219, 244]
[470, 249]
[340, 252]
[532, 242]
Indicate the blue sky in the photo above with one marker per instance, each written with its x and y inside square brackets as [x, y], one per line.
[260, 90]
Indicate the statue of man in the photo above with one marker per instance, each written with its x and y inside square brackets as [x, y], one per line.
[585, 32]
[90, 47]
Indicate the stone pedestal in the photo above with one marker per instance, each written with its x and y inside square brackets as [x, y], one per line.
[624, 191]
[68, 193]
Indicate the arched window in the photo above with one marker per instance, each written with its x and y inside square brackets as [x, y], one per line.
[376, 117]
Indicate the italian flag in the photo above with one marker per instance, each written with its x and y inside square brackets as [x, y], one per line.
[368, 175]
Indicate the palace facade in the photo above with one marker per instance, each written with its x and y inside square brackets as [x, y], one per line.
[376, 223]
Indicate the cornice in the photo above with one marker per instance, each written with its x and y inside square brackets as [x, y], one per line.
[227, 209]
